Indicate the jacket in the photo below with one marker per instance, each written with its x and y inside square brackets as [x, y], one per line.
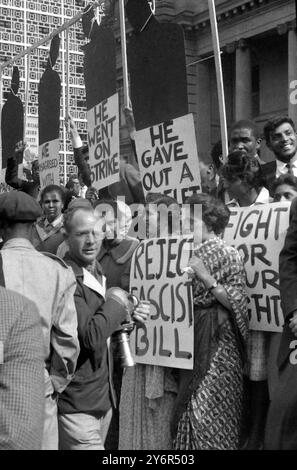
[269, 174]
[11, 177]
[288, 281]
[21, 373]
[91, 389]
[47, 237]
[116, 262]
[50, 284]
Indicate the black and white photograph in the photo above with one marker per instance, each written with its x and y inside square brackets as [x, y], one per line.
[148, 230]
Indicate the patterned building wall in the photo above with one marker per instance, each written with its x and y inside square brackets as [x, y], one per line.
[23, 22]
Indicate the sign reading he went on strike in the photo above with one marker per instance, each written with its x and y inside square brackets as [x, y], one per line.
[104, 142]
[166, 338]
[102, 101]
[168, 158]
[49, 119]
[258, 232]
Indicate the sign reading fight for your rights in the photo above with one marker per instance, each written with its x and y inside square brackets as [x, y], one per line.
[166, 338]
[258, 232]
[104, 142]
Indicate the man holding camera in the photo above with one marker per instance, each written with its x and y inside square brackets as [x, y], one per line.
[85, 407]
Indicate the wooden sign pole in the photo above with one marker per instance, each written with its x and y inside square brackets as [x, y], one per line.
[219, 75]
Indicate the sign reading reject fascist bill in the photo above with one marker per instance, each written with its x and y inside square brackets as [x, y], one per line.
[166, 338]
[104, 142]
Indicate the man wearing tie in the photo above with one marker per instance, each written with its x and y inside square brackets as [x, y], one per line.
[281, 139]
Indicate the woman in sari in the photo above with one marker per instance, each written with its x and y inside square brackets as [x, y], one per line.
[209, 403]
[243, 179]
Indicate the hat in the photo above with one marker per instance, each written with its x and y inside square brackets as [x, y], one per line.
[17, 206]
[79, 203]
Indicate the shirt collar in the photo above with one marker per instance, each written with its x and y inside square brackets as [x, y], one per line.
[78, 270]
[233, 202]
[281, 165]
[54, 223]
[263, 197]
[262, 162]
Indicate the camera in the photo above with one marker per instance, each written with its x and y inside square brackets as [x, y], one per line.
[121, 341]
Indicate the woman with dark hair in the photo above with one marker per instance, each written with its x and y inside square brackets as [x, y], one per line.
[209, 403]
[242, 179]
[47, 232]
[149, 392]
[284, 188]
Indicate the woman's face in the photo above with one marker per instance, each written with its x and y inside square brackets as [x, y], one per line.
[235, 187]
[284, 192]
[52, 205]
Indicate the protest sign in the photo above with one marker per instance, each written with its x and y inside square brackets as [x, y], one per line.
[157, 67]
[166, 338]
[31, 139]
[168, 158]
[104, 142]
[258, 232]
[49, 163]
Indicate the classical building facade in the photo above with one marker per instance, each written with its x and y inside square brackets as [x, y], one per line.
[259, 59]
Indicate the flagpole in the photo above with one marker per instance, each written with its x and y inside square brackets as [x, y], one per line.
[124, 54]
[48, 38]
[219, 74]
[2, 172]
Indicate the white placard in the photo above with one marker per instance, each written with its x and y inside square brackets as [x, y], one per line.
[49, 163]
[104, 142]
[168, 158]
[258, 232]
[166, 338]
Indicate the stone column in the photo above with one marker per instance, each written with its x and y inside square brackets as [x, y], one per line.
[243, 85]
[292, 72]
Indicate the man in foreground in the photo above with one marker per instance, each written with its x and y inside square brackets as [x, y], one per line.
[85, 406]
[50, 284]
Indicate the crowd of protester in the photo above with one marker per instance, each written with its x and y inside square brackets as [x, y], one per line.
[65, 263]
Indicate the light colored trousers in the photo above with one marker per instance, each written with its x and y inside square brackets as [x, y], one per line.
[50, 430]
[80, 431]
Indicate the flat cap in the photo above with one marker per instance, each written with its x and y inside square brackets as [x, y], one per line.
[79, 203]
[17, 206]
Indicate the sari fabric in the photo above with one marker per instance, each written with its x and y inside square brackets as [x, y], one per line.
[208, 408]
